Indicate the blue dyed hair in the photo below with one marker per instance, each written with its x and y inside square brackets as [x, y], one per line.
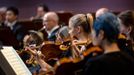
[109, 23]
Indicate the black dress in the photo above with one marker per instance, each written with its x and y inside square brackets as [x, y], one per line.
[126, 46]
[116, 63]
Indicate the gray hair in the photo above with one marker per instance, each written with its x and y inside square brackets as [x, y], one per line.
[52, 15]
[64, 31]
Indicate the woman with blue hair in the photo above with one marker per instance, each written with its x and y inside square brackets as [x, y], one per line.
[113, 61]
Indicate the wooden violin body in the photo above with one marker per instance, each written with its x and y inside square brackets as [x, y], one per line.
[70, 66]
[50, 51]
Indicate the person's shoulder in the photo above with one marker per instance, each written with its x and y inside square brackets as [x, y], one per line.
[104, 57]
[94, 65]
[56, 29]
[18, 25]
[127, 57]
[96, 59]
[115, 57]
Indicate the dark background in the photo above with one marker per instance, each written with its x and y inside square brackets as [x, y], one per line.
[28, 7]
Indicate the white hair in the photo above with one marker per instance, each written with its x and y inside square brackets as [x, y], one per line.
[52, 15]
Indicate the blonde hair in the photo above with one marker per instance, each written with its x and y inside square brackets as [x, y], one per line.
[85, 21]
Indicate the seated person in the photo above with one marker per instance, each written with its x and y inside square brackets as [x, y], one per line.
[2, 15]
[63, 37]
[50, 23]
[41, 11]
[12, 22]
[113, 62]
[1, 21]
[34, 39]
[80, 28]
[127, 29]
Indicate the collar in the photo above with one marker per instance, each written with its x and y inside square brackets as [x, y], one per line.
[53, 29]
[11, 24]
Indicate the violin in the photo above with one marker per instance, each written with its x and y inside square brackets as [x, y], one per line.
[62, 67]
[28, 56]
[50, 50]
[121, 36]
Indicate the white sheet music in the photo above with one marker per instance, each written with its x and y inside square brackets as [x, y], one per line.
[15, 61]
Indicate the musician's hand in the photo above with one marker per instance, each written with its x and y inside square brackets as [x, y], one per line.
[28, 62]
[39, 55]
[33, 51]
[18, 51]
[74, 42]
[31, 18]
[27, 48]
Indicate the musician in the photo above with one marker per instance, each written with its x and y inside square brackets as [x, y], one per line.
[64, 37]
[113, 62]
[33, 37]
[11, 21]
[41, 11]
[50, 22]
[127, 28]
[1, 21]
[32, 40]
[2, 16]
[79, 27]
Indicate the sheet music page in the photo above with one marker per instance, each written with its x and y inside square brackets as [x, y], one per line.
[15, 61]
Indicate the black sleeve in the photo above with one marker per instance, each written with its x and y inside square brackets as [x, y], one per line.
[21, 32]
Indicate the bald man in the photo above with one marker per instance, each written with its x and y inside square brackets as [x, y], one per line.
[50, 22]
[101, 11]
